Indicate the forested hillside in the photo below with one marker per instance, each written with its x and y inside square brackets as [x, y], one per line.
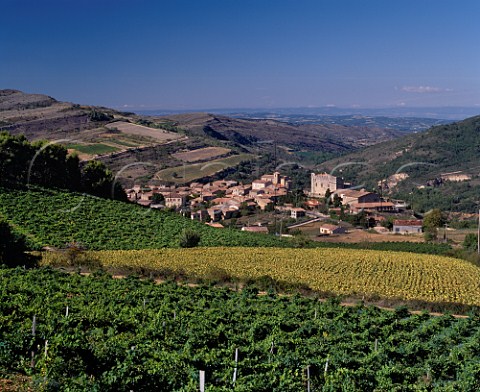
[24, 163]
[426, 158]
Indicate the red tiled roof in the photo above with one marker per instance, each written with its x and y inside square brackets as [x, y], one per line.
[329, 227]
[373, 204]
[174, 196]
[411, 222]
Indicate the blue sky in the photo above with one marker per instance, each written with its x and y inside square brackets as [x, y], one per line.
[179, 54]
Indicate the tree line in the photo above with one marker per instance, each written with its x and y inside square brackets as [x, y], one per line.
[49, 165]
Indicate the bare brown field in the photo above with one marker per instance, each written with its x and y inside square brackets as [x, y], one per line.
[457, 236]
[35, 113]
[452, 235]
[16, 383]
[160, 135]
[187, 173]
[201, 154]
[357, 235]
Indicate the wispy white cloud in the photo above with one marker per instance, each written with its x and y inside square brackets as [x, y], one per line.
[425, 89]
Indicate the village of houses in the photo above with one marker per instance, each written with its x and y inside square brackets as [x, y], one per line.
[253, 207]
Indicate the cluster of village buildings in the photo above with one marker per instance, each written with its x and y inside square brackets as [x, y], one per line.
[218, 200]
[223, 199]
[355, 201]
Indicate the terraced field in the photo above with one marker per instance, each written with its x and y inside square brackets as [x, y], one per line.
[201, 154]
[92, 149]
[160, 135]
[188, 173]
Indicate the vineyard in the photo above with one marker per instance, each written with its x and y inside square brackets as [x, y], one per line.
[361, 273]
[95, 333]
[53, 218]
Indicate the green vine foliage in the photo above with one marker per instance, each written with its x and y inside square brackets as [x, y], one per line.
[54, 218]
[131, 334]
[48, 217]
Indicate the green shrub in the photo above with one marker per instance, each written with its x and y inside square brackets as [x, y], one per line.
[189, 239]
[471, 242]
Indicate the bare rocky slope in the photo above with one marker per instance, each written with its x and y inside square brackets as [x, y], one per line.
[91, 131]
[307, 137]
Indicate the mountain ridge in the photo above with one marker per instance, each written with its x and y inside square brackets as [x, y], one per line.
[427, 161]
[106, 134]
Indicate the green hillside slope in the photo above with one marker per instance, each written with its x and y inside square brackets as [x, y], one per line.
[424, 157]
[54, 218]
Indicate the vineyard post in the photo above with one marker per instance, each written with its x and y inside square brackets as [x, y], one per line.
[326, 367]
[271, 352]
[66, 312]
[46, 348]
[235, 370]
[308, 378]
[376, 345]
[34, 328]
[202, 381]
[478, 233]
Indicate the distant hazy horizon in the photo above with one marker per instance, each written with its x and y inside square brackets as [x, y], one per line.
[444, 113]
[189, 55]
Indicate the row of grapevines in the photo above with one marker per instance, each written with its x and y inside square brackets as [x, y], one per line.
[54, 218]
[101, 334]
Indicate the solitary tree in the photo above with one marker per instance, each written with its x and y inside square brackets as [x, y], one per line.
[158, 198]
[471, 242]
[337, 201]
[328, 193]
[431, 222]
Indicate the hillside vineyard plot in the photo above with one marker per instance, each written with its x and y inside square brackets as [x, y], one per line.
[54, 218]
[187, 173]
[74, 333]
